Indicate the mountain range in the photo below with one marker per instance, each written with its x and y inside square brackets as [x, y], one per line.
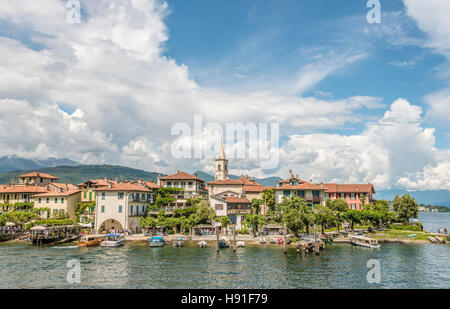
[72, 172]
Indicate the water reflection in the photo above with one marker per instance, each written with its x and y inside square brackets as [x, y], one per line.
[139, 266]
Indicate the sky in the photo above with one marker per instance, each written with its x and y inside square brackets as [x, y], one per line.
[355, 102]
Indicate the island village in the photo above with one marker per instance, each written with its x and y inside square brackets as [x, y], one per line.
[181, 206]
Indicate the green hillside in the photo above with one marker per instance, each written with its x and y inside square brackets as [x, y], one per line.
[81, 173]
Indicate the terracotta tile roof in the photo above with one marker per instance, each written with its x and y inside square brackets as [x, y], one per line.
[246, 181]
[97, 182]
[63, 186]
[181, 176]
[225, 182]
[38, 174]
[56, 193]
[349, 188]
[302, 186]
[151, 184]
[22, 189]
[234, 199]
[255, 188]
[124, 186]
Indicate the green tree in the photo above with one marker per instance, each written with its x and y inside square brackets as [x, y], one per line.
[339, 207]
[256, 205]
[268, 196]
[323, 216]
[405, 207]
[205, 212]
[254, 221]
[192, 221]
[296, 214]
[354, 216]
[224, 222]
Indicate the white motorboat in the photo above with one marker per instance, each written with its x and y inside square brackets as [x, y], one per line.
[202, 244]
[113, 240]
[364, 241]
[240, 244]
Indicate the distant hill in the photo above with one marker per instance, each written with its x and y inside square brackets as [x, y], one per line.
[81, 173]
[269, 181]
[427, 197]
[14, 163]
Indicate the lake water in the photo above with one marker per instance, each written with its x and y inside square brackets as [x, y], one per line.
[434, 220]
[138, 266]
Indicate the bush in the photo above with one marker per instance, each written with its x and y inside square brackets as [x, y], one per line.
[407, 227]
[244, 231]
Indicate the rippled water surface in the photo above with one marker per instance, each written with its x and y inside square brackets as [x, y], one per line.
[138, 266]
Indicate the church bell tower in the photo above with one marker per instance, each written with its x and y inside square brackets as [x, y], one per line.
[221, 165]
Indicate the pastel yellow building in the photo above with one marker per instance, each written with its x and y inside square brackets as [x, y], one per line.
[60, 202]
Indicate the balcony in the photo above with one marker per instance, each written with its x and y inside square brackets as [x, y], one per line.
[140, 199]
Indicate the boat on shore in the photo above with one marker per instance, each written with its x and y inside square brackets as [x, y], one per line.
[432, 239]
[363, 241]
[439, 239]
[90, 241]
[113, 240]
[263, 240]
[157, 241]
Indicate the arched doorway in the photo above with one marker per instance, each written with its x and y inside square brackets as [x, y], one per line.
[110, 224]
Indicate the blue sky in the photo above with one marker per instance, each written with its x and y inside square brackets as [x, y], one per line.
[260, 45]
[355, 102]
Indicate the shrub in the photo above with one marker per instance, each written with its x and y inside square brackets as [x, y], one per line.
[244, 231]
[407, 227]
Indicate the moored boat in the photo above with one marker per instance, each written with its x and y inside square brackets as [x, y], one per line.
[263, 240]
[178, 242]
[240, 244]
[432, 239]
[280, 241]
[364, 241]
[439, 239]
[272, 240]
[113, 240]
[90, 240]
[157, 241]
[202, 244]
[223, 243]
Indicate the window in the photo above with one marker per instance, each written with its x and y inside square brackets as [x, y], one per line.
[103, 195]
[120, 195]
[103, 208]
[55, 212]
[120, 208]
[219, 206]
[56, 200]
[343, 196]
[84, 194]
[90, 195]
[62, 200]
[352, 196]
[47, 200]
[131, 209]
[39, 200]
[143, 209]
[353, 206]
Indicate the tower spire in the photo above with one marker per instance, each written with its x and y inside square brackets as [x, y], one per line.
[222, 151]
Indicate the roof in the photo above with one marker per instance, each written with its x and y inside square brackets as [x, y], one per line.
[22, 189]
[247, 181]
[56, 193]
[97, 182]
[38, 174]
[181, 175]
[255, 188]
[349, 188]
[225, 182]
[272, 226]
[302, 186]
[64, 186]
[124, 186]
[234, 199]
[151, 184]
[221, 152]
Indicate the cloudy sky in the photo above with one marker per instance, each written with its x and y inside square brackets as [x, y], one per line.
[355, 102]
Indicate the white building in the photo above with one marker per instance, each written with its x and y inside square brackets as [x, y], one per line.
[120, 206]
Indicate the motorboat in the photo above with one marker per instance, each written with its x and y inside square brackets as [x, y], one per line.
[240, 244]
[178, 242]
[432, 239]
[363, 241]
[157, 241]
[439, 239]
[90, 241]
[113, 240]
[223, 243]
[272, 240]
[263, 240]
[202, 244]
[280, 241]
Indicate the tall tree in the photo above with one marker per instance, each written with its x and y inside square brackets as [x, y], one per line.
[405, 207]
[256, 205]
[268, 195]
[204, 212]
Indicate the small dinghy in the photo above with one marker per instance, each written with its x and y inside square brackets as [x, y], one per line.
[440, 239]
[178, 242]
[240, 244]
[202, 244]
[263, 240]
[273, 241]
[433, 240]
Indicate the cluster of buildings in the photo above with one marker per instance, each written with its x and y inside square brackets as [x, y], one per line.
[112, 204]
